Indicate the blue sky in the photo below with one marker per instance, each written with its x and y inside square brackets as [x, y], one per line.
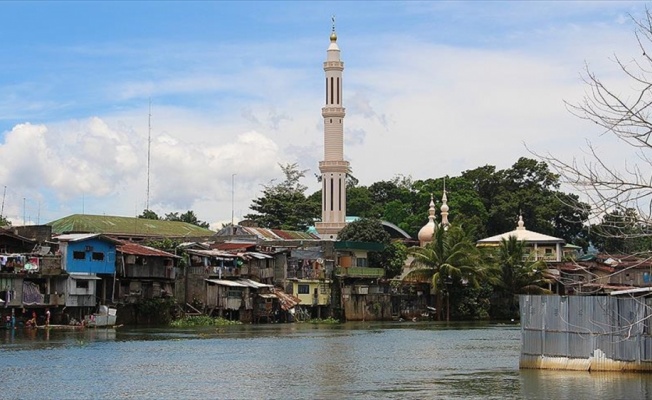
[431, 89]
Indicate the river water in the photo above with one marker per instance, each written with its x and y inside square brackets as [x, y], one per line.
[399, 360]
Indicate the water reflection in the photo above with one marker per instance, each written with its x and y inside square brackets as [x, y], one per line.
[364, 360]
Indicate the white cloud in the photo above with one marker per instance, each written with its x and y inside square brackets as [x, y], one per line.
[417, 104]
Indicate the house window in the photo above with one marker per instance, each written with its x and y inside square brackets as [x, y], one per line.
[81, 284]
[548, 251]
[361, 262]
[303, 289]
[97, 256]
[78, 255]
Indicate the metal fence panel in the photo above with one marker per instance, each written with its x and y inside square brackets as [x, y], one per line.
[580, 345]
[531, 342]
[580, 327]
[555, 344]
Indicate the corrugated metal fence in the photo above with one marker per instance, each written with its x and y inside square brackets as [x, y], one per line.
[586, 333]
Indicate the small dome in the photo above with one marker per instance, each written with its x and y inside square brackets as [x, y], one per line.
[333, 37]
[427, 232]
[444, 207]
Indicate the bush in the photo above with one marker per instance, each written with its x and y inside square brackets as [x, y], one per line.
[201, 320]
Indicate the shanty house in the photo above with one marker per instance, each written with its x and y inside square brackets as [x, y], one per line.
[145, 272]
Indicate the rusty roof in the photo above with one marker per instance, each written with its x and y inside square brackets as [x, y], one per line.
[140, 250]
[233, 246]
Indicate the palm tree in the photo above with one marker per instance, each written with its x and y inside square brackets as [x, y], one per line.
[519, 273]
[450, 260]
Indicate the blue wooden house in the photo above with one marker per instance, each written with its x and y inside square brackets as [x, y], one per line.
[87, 253]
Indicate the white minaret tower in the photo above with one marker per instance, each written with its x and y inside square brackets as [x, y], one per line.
[334, 168]
[444, 209]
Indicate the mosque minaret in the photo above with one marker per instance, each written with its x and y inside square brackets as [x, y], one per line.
[444, 209]
[333, 168]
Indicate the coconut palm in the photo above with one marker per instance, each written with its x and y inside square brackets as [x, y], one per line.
[450, 260]
[519, 273]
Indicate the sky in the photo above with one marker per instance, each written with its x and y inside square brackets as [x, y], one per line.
[205, 99]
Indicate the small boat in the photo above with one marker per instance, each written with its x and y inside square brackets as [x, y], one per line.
[105, 318]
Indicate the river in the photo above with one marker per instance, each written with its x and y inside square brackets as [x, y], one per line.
[373, 360]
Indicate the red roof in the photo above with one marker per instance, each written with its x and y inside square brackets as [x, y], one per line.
[140, 250]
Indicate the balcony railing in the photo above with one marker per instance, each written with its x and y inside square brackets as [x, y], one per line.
[360, 272]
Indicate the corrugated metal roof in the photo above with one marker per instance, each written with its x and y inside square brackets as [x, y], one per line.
[278, 234]
[233, 246]
[140, 250]
[254, 284]
[75, 237]
[224, 282]
[211, 253]
[117, 225]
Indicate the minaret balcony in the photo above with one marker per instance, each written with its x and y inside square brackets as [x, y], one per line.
[327, 112]
[333, 65]
[334, 166]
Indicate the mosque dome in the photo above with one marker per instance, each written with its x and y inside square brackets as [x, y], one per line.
[427, 232]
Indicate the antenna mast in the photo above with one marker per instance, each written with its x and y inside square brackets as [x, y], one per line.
[2, 210]
[149, 146]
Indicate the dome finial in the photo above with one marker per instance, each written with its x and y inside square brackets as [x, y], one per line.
[333, 34]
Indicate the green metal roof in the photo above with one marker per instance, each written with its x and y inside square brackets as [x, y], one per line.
[113, 225]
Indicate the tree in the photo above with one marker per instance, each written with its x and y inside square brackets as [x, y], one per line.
[189, 217]
[625, 116]
[364, 230]
[621, 232]
[519, 273]
[450, 262]
[149, 214]
[284, 205]
[4, 221]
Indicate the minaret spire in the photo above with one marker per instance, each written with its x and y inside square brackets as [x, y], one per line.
[333, 168]
[444, 208]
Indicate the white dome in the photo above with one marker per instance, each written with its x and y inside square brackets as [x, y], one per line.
[426, 233]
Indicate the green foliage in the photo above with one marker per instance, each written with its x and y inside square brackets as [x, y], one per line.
[201, 320]
[155, 311]
[149, 214]
[621, 231]
[284, 205]
[392, 259]
[4, 221]
[189, 217]
[328, 320]
[451, 263]
[519, 273]
[364, 230]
